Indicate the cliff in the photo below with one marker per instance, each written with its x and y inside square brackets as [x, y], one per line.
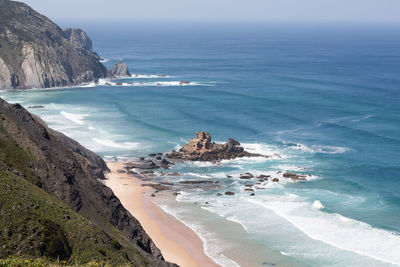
[36, 53]
[53, 203]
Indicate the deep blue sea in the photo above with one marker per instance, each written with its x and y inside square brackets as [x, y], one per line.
[321, 100]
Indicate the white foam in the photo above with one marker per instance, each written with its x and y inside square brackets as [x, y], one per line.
[336, 230]
[321, 149]
[318, 205]
[77, 118]
[211, 246]
[260, 148]
[200, 175]
[200, 164]
[285, 253]
[286, 167]
[363, 118]
[149, 76]
[177, 147]
[111, 143]
[109, 82]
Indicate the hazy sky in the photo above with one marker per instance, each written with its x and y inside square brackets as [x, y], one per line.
[221, 10]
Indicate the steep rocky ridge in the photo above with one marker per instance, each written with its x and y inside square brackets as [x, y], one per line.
[60, 168]
[36, 53]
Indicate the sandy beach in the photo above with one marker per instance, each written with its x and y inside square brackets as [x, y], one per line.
[178, 243]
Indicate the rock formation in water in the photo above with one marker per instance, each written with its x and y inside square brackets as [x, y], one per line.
[36, 53]
[202, 149]
[53, 202]
[119, 70]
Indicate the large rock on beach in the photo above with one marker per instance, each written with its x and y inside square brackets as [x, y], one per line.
[203, 149]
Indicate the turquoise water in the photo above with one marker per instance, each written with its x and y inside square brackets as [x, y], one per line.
[324, 101]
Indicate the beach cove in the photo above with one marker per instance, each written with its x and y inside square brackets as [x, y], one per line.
[303, 96]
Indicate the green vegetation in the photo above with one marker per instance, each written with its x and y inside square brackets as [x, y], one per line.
[39, 226]
[14, 156]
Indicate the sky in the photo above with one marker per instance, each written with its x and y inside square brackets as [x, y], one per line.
[375, 11]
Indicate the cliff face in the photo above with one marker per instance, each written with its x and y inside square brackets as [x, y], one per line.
[39, 159]
[36, 53]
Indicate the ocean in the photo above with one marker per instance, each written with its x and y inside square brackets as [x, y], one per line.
[320, 100]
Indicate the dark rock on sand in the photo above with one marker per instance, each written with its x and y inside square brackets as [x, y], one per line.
[202, 149]
[121, 171]
[158, 187]
[142, 164]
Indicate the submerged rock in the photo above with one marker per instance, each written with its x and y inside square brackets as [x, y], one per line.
[246, 176]
[202, 149]
[295, 177]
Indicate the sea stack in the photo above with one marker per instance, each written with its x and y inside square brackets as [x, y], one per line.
[36, 53]
[202, 149]
[120, 70]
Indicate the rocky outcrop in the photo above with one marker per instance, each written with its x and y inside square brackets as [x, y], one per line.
[78, 39]
[36, 53]
[202, 149]
[71, 173]
[119, 70]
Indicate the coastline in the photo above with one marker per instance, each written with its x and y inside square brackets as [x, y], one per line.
[178, 243]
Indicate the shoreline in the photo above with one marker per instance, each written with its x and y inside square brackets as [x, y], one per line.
[178, 243]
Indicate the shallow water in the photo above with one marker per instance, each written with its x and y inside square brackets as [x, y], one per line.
[323, 101]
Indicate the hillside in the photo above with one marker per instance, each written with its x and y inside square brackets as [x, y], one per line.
[36, 53]
[53, 202]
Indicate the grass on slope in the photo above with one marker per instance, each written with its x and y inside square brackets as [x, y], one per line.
[35, 224]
